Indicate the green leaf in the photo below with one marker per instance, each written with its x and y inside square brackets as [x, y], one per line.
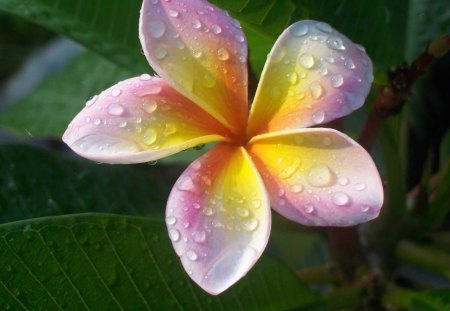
[109, 28]
[37, 183]
[50, 108]
[435, 300]
[106, 262]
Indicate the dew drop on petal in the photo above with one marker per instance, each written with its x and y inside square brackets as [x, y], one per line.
[199, 236]
[160, 52]
[116, 92]
[360, 187]
[115, 109]
[150, 136]
[316, 90]
[296, 188]
[309, 208]
[150, 106]
[292, 78]
[299, 29]
[171, 220]
[91, 101]
[191, 255]
[324, 27]
[319, 175]
[196, 24]
[343, 181]
[318, 117]
[250, 224]
[242, 211]
[335, 43]
[153, 89]
[256, 203]
[337, 80]
[216, 29]
[156, 29]
[145, 77]
[223, 54]
[341, 199]
[173, 13]
[174, 235]
[307, 60]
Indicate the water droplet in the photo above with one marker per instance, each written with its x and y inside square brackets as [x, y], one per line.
[242, 211]
[324, 27]
[208, 211]
[199, 236]
[343, 181]
[360, 47]
[290, 170]
[153, 89]
[329, 59]
[171, 220]
[319, 175]
[222, 54]
[256, 203]
[197, 54]
[196, 205]
[173, 13]
[349, 64]
[150, 136]
[196, 24]
[123, 124]
[365, 208]
[335, 43]
[309, 208]
[186, 184]
[115, 109]
[318, 117]
[277, 55]
[316, 90]
[116, 92]
[360, 187]
[250, 224]
[326, 141]
[156, 29]
[323, 71]
[145, 77]
[97, 121]
[160, 52]
[150, 106]
[180, 45]
[216, 29]
[240, 38]
[296, 188]
[341, 199]
[337, 80]
[196, 165]
[307, 60]
[91, 101]
[174, 235]
[299, 29]
[208, 81]
[191, 255]
[292, 78]
[281, 192]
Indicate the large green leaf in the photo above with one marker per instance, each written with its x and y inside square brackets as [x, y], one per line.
[109, 27]
[48, 111]
[36, 183]
[104, 262]
[434, 300]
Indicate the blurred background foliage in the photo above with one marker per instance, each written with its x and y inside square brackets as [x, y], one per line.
[76, 234]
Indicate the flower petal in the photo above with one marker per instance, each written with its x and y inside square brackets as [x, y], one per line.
[201, 52]
[313, 75]
[218, 217]
[138, 120]
[318, 177]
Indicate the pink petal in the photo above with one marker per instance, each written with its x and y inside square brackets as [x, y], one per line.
[318, 177]
[218, 218]
[138, 120]
[313, 75]
[201, 52]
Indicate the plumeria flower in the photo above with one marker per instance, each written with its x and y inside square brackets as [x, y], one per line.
[218, 213]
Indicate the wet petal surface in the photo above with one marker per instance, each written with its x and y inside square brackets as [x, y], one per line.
[202, 52]
[138, 120]
[318, 177]
[313, 75]
[218, 217]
